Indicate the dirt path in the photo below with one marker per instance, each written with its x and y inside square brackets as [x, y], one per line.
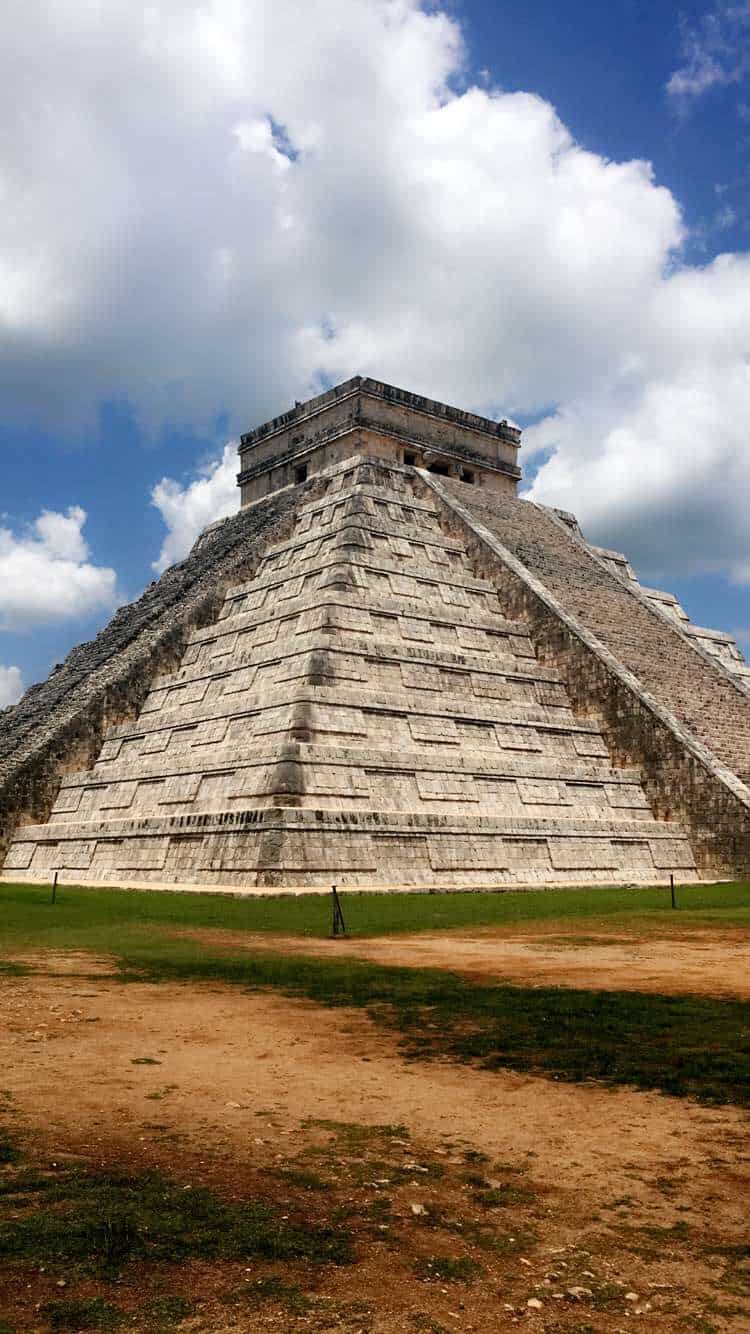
[240, 1076]
[710, 964]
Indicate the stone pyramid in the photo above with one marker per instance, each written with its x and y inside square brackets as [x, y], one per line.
[365, 705]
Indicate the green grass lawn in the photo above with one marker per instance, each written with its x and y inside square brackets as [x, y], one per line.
[109, 919]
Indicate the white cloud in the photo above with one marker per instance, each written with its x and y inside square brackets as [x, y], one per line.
[11, 686]
[46, 575]
[187, 510]
[715, 52]
[656, 459]
[217, 207]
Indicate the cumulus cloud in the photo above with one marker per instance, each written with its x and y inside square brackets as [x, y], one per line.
[46, 575]
[11, 686]
[222, 207]
[656, 461]
[187, 510]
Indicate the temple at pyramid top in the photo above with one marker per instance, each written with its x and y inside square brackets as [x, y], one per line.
[367, 417]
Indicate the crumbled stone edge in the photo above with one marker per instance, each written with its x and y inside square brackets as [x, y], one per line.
[58, 726]
[684, 780]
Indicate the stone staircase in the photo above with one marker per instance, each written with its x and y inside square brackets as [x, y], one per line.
[362, 711]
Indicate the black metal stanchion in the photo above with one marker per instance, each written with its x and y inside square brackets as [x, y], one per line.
[671, 888]
[54, 887]
[339, 925]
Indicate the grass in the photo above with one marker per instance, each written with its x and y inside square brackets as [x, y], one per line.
[446, 1268]
[82, 1313]
[105, 920]
[102, 1222]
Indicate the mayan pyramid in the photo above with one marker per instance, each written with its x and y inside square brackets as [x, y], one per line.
[386, 670]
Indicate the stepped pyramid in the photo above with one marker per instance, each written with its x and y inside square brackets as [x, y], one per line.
[369, 693]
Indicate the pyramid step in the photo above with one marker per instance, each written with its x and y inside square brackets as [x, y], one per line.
[360, 612]
[306, 776]
[355, 712]
[360, 566]
[391, 533]
[454, 670]
[168, 764]
[418, 681]
[311, 847]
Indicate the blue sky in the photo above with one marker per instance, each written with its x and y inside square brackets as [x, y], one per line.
[207, 217]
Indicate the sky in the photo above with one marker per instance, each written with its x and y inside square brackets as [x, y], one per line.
[209, 210]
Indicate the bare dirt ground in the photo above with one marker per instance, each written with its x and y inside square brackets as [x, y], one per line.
[690, 962]
[603, 1209]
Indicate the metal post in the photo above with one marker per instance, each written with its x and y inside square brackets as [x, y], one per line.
[671, 887]
[339, 925]
[54, 886]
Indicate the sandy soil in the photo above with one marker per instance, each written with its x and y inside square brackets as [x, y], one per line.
[241, 1075]
[699, 964]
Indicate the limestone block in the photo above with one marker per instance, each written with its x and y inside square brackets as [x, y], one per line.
[531, 853]
[583, 854]
[539, 793]
[265, 633]
[117, 796]
[414, 629]
[155, 742]
[630, 795]
[336, 855]
[110, 751]
[179, 790]
[68, 800]
[180, 695]
[344, 722]
[434, 729]
[418, 676]
[457, 853]
[215, 787]
[591, 798]
[291, 588]
[211, 732]
[238, 682]
[403, 587]
[154, 702]
[512, 737]
[447, 787]
[522, 646]
[186, 854]
[551, 695]
[20, 855]
[141, 854]
[672, 854]
[471, 638]
[335, 781]
[454, 596]
[353, 619]
[635, 855]
[491, 686]
[590, 743]
[401, 547]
